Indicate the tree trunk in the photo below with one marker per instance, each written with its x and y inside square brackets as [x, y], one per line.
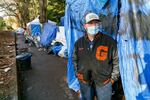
[43, 11]
[23, 12]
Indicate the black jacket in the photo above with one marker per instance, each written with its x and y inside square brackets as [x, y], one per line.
[98, 63]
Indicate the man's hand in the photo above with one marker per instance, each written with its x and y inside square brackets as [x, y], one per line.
[112, 81]
[109, 80]
[80, 77]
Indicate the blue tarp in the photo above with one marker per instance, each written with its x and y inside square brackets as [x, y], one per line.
[62, 20]
[128, 22]
[48, 34]
[134, 48]
[56, 48]
[35, 29]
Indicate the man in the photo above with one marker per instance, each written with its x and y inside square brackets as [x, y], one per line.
[96, 61]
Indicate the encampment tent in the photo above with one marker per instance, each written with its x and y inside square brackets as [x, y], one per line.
[34, 27]
[62, 20]
[49, 33]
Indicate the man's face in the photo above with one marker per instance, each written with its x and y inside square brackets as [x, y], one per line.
[92, 27]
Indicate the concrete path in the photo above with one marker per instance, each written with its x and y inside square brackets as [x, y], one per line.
[47, 78]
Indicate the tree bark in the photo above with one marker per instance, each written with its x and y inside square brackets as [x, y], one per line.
[43, 11]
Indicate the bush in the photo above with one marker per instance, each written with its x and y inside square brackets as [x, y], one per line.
[2, 24]
[9, 28]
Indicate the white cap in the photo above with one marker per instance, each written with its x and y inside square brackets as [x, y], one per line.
[91, 16]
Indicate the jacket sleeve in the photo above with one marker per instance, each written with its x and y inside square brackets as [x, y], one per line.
[75, 58]
[115, 62]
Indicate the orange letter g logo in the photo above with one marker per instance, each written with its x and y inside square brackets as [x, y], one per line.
[101, 53]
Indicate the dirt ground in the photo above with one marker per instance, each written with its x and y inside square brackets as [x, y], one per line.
[8, 77]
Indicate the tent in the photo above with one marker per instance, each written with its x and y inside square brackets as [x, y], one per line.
[49, 33]
[34, 27]
[62, 20]
[128, 22]
[60, 35]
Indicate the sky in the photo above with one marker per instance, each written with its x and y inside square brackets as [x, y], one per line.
[9, 1]
[1, 14]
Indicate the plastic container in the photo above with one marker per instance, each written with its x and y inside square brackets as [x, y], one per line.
[24, 61]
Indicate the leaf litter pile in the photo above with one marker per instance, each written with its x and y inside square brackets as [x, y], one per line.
[8, 83]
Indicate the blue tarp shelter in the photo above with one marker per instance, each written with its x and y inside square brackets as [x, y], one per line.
[128, 22]
[62, 21]
[35, 27]
[48, 34]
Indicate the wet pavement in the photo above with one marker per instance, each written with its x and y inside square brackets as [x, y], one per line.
[47, 78]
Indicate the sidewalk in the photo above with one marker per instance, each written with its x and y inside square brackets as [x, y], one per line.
[47, 78]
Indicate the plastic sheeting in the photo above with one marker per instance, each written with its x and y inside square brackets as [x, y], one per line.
[63, 52]
[60, 36]
[62, 21]
[56, 48]
[134, 48]
[48, 34]
[35, 30]
[35, 27]
[128, 22]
